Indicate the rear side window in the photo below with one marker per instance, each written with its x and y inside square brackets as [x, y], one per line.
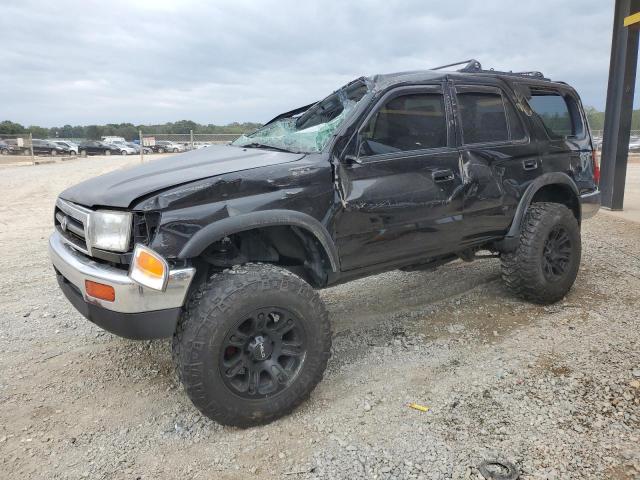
[559, 115]
[413, 121]
[483, 117]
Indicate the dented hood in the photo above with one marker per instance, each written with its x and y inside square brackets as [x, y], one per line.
[121, 187]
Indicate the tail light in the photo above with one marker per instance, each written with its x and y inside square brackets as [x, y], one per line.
[596, 167]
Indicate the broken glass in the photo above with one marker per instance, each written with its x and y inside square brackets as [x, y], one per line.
[310, 131]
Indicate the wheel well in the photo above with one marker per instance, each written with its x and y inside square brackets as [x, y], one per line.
[289, 246]
[558, 193]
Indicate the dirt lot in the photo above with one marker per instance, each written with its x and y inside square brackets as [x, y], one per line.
[556, 390]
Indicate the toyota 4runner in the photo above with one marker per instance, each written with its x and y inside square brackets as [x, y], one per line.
[223, 248]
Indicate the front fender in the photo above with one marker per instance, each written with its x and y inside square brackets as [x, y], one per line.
[266, 218]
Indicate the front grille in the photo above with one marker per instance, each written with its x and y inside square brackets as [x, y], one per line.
[72, 222]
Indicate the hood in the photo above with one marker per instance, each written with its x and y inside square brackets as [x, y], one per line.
[121, 187]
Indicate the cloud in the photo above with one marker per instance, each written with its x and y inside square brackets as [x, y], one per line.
[147, 61]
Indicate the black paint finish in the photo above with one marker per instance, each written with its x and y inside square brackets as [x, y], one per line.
[367, 213]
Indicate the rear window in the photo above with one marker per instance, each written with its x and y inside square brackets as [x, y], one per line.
[559, 115]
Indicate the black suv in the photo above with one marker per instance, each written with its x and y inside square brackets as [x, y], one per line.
[45, 147]
[95, 147]
[223, 248]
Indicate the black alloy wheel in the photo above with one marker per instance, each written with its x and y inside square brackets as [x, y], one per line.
[556, 254]
[545, 263]
[263, 354]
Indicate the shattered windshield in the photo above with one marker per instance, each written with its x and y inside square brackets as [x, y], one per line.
[311, 130]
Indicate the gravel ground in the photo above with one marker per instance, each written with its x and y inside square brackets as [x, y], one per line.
[555, 390]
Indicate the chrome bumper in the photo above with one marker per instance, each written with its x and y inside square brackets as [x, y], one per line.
[129, 296]
[590, 204]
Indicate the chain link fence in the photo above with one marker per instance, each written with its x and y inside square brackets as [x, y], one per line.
[171, 142]
[25, 145]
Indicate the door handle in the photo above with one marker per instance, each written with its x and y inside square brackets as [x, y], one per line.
[442, 175]
[530, 164]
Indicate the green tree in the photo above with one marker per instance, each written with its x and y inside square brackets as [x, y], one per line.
[10, 128]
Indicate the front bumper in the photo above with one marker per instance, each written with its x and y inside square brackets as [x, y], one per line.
[136, 312]
[590, 204]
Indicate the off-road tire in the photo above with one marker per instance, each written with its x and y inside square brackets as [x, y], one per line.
[211, 313]
[523, 269]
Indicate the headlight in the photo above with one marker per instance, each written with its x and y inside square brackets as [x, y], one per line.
[110, 230]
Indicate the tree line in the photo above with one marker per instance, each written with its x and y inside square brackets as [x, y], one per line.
[126, 130]
[130, 131]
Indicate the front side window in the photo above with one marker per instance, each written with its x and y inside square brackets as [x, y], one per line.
[559, 115]
[414, 121]
[483, 117]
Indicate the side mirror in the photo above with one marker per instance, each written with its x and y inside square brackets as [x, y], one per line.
[351, 159]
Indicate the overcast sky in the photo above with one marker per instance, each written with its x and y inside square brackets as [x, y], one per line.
[148, 61]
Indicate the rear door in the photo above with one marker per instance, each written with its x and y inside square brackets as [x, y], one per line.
[401, 196]
[497, 158]
[566, 145]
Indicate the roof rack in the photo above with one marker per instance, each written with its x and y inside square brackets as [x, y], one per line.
[474, 66]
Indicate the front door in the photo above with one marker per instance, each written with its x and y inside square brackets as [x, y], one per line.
[401, 195]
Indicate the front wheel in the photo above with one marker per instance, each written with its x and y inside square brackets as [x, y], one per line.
[252, 344]
[545, 264]
[53, 152]
[107, 152]
[123, 152]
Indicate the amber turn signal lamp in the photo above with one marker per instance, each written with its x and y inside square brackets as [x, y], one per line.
[148, 268]
[100, 290]
[149, 264]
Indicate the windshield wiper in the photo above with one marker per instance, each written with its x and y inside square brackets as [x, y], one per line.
[262, 145]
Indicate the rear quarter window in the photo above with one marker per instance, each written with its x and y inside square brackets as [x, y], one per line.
[560, 115]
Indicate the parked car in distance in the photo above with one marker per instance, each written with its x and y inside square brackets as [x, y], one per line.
[163, 146]
[15, 149]
[634, 144]
[96, 147]
[73, 147]
[223, 248]
[136, 147]
[7, 148]
[122, 146]
[45, 147]
[111, 139]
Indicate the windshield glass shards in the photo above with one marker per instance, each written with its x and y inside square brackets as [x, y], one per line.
[311, 130]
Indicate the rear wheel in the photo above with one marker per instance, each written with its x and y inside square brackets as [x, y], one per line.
[252, 344]
[83, 153]
[107, 152]
[161, 150]
[545, 264]
[123, 152]
[175, 150]
[53, 152]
